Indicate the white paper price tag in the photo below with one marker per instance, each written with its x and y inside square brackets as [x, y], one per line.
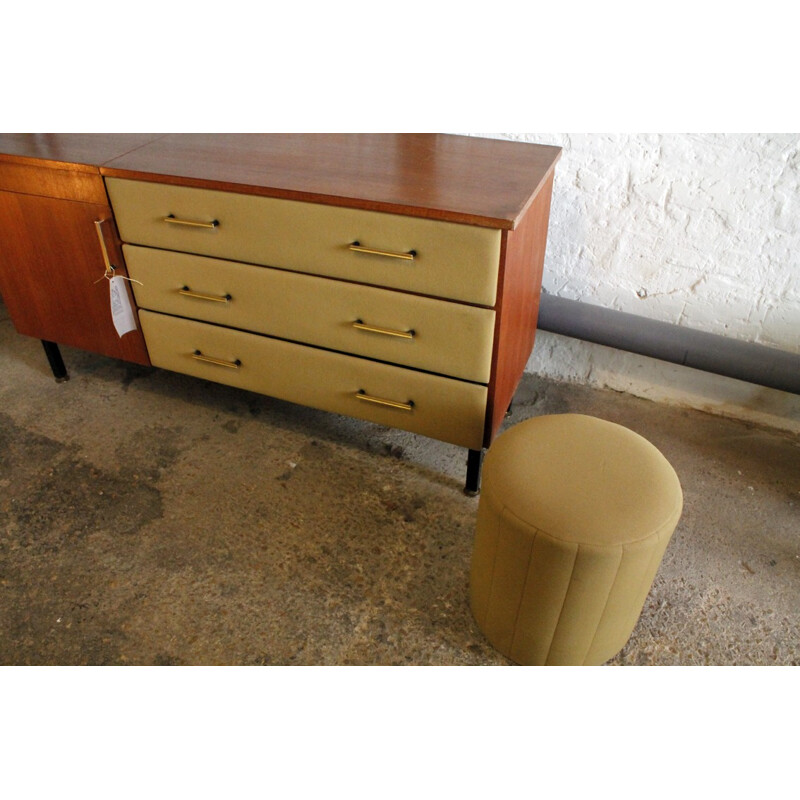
[121, 311]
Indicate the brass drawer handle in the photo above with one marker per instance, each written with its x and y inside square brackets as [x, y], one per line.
[214, 298]
[109, 273]
[356, 247]
[361, 326]
[191, 223]
[368, 398]
[198, 356]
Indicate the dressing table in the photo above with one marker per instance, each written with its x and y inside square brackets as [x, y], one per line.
[389, 277]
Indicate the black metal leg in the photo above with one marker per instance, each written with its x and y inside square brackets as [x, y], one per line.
[56, 362]
[510, 408]
[474, 467]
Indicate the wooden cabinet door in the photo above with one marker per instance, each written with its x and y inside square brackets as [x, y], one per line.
[50, 263]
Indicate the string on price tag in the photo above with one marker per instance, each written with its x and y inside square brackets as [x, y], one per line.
[121, 309]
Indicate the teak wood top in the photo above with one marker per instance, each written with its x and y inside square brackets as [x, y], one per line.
[82, 152]
[464, 179]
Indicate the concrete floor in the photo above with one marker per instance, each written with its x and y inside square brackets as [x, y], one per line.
[149, 518]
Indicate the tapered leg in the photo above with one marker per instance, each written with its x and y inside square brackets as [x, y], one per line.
[474, 467]
[56, 362]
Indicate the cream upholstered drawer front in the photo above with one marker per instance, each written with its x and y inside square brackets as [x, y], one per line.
[442, 408]
[435, 335]
[429, 257]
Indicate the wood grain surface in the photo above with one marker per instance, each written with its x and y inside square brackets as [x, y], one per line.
[519, 293]
[49, 271]
[465, 179]
[73, 151]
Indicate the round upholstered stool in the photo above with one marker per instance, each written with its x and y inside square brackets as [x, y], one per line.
[574, 517]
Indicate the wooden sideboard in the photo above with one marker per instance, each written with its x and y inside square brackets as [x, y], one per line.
[390, 277]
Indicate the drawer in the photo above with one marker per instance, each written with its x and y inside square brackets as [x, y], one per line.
[81, 185]
[454, 261]
[441, 408]
[434, 335]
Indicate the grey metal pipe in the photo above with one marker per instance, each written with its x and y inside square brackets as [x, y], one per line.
[745, 361]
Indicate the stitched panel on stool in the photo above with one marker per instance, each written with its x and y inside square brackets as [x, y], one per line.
[639, 564]
[548, 580]
[484, 551]
[592, 580]
[509, 574]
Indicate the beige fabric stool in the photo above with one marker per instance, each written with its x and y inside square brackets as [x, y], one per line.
[574, 517]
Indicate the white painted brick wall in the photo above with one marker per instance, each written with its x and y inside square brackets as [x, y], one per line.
[701, 230]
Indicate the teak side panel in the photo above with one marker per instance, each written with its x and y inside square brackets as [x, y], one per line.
[518, 306]
[50, 260]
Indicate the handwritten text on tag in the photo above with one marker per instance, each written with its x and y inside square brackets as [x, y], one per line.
[121, 311]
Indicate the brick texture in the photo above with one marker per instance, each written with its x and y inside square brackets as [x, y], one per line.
[701, 230]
